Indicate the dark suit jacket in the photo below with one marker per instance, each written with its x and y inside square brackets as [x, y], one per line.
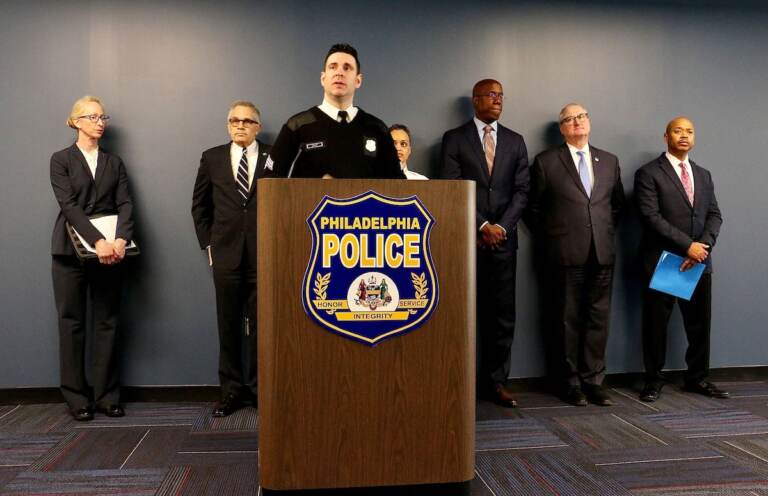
[671, 222]
[80, 196]
[221, 220]
[561, 213]
[501, 198]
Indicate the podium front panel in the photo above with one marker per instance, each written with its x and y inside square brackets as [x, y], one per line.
[335, 413]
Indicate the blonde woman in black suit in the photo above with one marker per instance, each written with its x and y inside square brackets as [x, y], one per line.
[88, 181]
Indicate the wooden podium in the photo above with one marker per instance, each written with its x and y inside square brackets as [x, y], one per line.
[334, 413]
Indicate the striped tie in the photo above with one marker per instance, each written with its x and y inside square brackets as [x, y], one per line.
[242, 177]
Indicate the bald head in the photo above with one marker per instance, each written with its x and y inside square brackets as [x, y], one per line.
[488, 100]
[680, 136]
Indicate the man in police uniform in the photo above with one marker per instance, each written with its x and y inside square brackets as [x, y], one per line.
[335, 139]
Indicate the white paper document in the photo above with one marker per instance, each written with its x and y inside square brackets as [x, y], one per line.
[107, 226]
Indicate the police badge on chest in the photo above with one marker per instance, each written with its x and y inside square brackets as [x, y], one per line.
[369, 147]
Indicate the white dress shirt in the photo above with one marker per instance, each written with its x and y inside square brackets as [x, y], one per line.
[333, 112]
[236, 153]
[676, 162]
[587, 159]
[91, 158]
[411, 174]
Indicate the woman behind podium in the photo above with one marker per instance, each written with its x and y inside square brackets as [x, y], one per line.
[88, 181]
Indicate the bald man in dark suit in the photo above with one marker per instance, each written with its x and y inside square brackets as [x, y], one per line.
[680, 214]
[496, 158]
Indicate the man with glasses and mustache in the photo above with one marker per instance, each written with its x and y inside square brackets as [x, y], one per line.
[496, 158]
[224, 213]
[576, 197]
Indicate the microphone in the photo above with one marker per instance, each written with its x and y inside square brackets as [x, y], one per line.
[302, 146]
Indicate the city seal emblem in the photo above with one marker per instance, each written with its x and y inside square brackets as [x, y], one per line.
[370, 275]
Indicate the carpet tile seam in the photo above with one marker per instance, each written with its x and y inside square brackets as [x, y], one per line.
[116, 426]
[518, 448]
[9, 412]
[643, 403]
[215, 452]
[134, 449]
[641, 430]
[746, 451]
[659, 460]
[704, 436]
[709, 485]
[477, 472]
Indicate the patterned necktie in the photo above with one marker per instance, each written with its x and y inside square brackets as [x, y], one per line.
[685, 178]
[343, 116]
[584, 174]
[490, 148]
[242, 177]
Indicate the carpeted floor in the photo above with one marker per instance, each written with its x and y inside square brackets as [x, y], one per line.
[681, 445]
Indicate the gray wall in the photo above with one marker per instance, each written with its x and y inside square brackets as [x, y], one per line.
[168, 70]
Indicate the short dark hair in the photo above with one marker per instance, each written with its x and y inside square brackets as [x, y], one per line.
[343, 48]
[401, 127]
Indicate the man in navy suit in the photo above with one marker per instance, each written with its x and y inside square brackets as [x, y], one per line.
[677, 204]
[224, 212]
[495, 158]
[576, 197]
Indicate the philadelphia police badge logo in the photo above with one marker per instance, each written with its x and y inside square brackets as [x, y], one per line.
[370, 275]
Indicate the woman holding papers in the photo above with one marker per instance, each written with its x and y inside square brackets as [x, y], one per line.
[89, 182]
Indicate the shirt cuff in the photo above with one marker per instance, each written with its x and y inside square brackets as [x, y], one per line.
[483, 225]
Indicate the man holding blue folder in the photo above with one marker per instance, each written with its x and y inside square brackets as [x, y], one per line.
[677, 204]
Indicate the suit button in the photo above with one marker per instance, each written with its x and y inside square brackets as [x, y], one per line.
[589, 225]
[490, 190]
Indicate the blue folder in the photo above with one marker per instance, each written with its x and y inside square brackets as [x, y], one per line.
[667, 277]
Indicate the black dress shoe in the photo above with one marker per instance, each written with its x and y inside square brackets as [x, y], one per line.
[598, 395]
[227, 407]
[112, 411]
[575, 396]
[83, 414]
[707, 389]
[651, 392]
[503, 396]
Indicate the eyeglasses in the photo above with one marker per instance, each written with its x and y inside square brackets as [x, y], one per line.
[242, 122]
[96, 118]
[492, 95]
[580, 118]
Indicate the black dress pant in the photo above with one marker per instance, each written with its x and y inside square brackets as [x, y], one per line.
[495, 316]
[75, 286]
[236, 315]
[697, 314]
[581, 314]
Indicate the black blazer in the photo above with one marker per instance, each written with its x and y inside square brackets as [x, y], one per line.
[565, 218]
[670, 221]
[501, 198]
[80, 196]
[221, 220]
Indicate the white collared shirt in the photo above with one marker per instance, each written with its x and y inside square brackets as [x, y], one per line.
[676, 166]
[481, 132]
[91, 158]
[587, 159]
[411, 174]
[333, 112]
[236, 152]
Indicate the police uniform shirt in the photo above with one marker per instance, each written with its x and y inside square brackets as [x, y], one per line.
[320, 145]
